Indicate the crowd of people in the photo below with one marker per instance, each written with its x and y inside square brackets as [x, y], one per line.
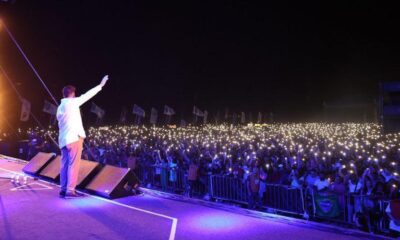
[343, 158]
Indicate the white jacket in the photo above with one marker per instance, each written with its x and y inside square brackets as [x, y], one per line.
[69, 117]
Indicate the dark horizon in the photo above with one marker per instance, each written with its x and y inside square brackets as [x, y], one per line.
[287, 59]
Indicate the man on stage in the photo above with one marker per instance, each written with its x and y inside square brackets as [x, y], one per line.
[71, 136]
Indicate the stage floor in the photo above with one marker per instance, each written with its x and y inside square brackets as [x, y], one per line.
[34, 211]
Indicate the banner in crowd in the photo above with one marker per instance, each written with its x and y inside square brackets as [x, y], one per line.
[97, 110]
[25, 110]
[153, 116]
[49, 108]
[327, 205]
[138, 111]
[169, 111]
[198, 112]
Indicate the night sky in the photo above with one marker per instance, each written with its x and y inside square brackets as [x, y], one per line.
[287, 58]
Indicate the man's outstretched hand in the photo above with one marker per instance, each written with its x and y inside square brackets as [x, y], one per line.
[104, 81]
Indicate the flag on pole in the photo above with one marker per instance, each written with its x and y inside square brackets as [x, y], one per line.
[97, 110]
[153, 116]
[122, 118]
[226, 114]
[259, 117]
[198, 112]
[205, 116]
[49, 108]
[182, 124]
[217, 118]
[138, 111]
[25, 110]
[168, 110]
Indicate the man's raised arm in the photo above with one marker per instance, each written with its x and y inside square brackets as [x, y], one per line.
[92, 92]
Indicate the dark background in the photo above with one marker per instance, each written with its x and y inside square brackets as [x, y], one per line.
[287, 58]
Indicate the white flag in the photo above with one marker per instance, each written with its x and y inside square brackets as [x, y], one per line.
[25, 110]
[183, 123]
[259, 118]
[226, 116]
[168, 110]
[153, 116]
[49, 108]
[205, 116]
[138, 111]
[122, 117]
[97, 110]
[197, 112]
[243, 117]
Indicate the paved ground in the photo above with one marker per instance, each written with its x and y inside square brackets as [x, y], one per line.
[34, 211]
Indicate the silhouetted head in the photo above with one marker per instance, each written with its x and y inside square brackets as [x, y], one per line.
[69, 91]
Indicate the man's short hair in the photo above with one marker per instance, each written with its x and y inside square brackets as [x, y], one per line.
[68, 90]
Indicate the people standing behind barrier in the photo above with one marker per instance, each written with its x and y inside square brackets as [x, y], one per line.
[279, 176]
[253, 188]
[132, 161]
[294, 179]
[369, 210]
[354, 187]
[354, 184]
[310, 178]
[172, 167]
[193, 176]
[164, 174]
[339, 188]
[158, 167]
[263, 184]
[393, 212]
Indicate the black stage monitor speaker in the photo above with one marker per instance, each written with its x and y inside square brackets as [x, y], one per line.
[87, 170]
[38, 162]
[113, 182]
[52, 170]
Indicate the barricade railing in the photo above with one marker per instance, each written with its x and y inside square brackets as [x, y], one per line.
[306, 202]
[159, 177]
[162, 177]
[228, 188]
[285, 199]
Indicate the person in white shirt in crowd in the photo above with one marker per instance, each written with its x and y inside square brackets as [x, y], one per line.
[386, 174]
[71, 136]
[294, 179]
[322, 183]
[310, 178]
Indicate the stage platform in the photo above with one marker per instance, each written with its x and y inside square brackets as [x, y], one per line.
[34, 211]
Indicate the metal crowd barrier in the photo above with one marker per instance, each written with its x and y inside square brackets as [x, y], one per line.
[280, 198]
[229, 189]
[276, 197]
[158, 177]
[285, 199]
